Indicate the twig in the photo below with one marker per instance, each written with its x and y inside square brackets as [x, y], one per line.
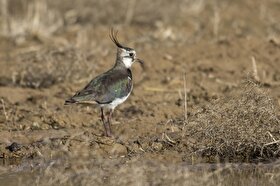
[5, 15]
[267, 144]
[4, 110]
[130, 12]
[185, 101]
[271, 136]
[271, 143]
[255, 70]
[225, 83]
[7, 26]
[169, 139]
[154, 89]
[216, 20]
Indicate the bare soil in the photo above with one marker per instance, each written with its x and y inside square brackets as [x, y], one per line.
[209, 92]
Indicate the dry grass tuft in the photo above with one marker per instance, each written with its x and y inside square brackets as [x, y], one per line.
[21, 18]
[240, 126]
[45, 67]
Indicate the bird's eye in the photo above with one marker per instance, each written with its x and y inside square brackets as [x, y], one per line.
[131, 54]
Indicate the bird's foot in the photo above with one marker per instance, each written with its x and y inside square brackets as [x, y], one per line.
[108, 134]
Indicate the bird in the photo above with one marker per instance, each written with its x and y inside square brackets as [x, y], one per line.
[110, 89]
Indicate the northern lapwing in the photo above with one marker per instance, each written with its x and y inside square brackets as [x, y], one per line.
[111, 88]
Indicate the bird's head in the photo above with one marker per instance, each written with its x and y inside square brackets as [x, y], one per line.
[125, 55]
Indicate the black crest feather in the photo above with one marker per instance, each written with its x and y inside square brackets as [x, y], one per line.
[113, 35]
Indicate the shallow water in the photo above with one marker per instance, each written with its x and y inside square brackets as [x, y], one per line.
[137, 173]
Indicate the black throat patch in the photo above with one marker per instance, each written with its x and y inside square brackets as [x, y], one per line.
[129, 73]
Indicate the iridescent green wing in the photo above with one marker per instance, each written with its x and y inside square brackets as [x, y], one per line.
[106, 87]
[118, 86]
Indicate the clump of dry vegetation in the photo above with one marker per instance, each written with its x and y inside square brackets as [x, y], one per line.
[242, 126]
[44, 68]
[23, 18]
[50, 66]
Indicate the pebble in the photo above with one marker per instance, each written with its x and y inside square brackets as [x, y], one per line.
[14, 147]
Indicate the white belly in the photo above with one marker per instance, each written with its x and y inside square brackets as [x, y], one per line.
[116, 102]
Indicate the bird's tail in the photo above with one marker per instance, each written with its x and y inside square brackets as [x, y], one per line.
[70, 101]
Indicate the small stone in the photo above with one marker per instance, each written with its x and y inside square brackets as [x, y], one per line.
[156, 146]
[14, 147]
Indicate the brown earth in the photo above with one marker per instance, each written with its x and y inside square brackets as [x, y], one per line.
[209, 92]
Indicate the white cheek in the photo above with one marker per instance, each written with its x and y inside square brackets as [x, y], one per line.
[127, 62]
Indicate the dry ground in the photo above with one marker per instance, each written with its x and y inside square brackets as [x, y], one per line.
[209, 92]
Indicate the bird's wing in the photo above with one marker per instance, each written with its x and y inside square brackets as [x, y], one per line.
[117, 85]
[104, 88]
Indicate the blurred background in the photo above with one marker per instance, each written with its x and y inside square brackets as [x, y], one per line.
[28, 26]
[183, 20]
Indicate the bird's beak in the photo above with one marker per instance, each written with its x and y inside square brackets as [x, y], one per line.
[139, 61]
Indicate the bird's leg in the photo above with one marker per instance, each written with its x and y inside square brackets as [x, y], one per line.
[109, 119]
[105, 124]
